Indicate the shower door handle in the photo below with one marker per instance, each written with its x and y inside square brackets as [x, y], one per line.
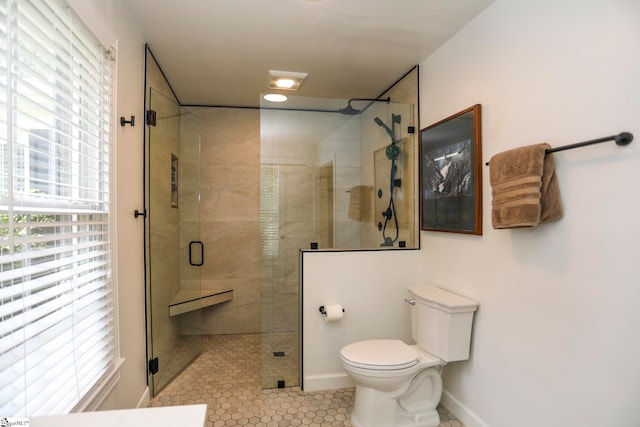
[191, 253]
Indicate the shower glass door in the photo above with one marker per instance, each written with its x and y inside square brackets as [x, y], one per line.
[174, 253]
[327, 181]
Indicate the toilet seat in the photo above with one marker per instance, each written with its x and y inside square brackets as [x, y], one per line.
[380, 355]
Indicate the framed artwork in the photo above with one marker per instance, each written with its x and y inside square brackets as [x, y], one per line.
[451, 174]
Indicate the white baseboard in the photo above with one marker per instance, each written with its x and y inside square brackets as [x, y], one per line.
[464, 414]
[145, 398]
[327, 382]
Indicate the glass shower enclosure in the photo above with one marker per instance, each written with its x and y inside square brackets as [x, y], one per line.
[327, 181]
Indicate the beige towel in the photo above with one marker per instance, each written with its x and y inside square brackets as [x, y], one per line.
[525, 187]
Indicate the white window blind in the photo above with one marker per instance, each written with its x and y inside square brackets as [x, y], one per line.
[57, 305]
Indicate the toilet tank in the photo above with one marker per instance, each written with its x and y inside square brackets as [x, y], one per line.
[441, 322]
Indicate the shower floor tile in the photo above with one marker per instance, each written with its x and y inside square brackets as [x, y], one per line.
[227, 377]
[284, 368]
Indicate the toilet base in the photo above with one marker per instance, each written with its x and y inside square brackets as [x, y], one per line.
[414, 405]
[402, 419]
[427, 419]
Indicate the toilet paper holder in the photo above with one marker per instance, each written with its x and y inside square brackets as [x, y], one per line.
[323, 311]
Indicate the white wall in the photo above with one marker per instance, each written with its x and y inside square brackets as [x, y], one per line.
[131, 389]
[556, 336]
[371, 286]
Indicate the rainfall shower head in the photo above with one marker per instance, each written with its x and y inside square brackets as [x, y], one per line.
[350, 111]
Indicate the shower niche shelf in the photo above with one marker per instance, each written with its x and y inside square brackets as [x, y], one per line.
[191, 300]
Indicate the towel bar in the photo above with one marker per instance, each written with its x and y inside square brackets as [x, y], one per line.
[623, 138]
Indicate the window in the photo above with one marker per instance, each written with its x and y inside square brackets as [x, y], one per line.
[58, 343]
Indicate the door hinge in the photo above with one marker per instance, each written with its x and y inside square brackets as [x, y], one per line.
[151, 117]
[153, 366]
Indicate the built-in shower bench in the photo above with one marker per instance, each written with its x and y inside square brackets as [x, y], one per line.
[194, 299]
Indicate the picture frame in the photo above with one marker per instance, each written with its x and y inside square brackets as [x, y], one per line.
[451, 174]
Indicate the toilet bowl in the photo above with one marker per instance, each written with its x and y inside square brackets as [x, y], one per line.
[399, 385]
[396, 384]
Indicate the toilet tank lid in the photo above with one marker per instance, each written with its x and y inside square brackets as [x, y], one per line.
[445, 300]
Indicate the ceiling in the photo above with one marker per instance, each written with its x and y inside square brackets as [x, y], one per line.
[219, 52]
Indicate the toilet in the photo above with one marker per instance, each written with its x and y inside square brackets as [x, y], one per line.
[399, 384]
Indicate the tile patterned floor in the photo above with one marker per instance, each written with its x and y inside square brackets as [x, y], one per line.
[275, 368]
[227, 378]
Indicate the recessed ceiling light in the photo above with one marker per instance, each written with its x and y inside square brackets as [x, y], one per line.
[274, 97]
[285, 83]
[287, 80]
